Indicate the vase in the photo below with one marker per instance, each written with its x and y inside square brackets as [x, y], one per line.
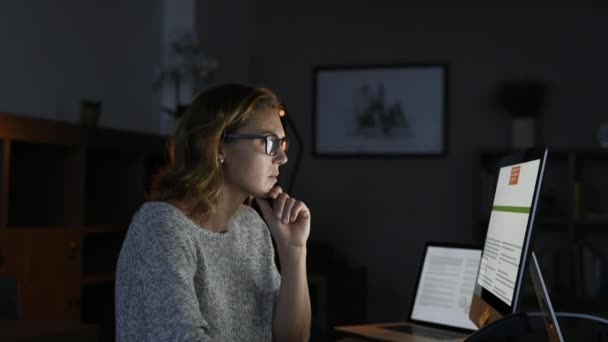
[89, 112]
[523, 132]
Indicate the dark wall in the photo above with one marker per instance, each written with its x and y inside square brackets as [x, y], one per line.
[225, 29]
[379, 212]
[52, 54]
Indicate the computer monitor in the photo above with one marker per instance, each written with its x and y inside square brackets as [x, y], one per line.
[508, 240]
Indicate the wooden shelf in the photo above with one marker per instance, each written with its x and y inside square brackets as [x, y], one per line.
[67, 194]
[98, 307]
[18, 127]
[113, 177]
[45, 184]
[5, 152]
[551, 220]
[98, 278]
[36, 130]
[39, 227]
[594, 152]
[100, 251]
[104, 228]
[589, 221]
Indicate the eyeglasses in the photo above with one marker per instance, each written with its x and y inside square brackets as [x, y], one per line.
[273, 142]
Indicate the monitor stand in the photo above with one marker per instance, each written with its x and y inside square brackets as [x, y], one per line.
[553, 330]
[518, 326]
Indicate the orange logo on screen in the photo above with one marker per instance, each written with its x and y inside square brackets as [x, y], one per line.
[514, 175]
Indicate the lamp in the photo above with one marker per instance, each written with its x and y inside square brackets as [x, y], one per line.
[289, 124]
[187, 62]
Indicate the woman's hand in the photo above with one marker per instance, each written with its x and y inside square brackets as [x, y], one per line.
[288, 218]
[289, 223]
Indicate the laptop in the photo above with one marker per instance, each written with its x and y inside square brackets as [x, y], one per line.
[440, 310]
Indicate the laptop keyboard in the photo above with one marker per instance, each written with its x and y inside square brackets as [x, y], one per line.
[424, 332]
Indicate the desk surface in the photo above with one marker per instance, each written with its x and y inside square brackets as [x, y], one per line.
[573, 329]
[375, 331]
[47, 331]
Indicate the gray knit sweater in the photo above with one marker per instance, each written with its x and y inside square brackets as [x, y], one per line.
[176, 281]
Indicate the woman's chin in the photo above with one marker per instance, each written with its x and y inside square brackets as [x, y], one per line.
[262, 193]
[263, 189]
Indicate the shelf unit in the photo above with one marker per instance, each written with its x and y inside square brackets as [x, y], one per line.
[571, 227]
[68, 194]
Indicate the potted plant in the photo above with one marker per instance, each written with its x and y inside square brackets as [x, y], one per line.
[524, 99]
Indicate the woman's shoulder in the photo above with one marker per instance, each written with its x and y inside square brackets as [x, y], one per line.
[157, 211]
[158, 233]
[159, 218]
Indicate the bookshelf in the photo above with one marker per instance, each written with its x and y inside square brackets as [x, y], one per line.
[571, 227]
[68, 194]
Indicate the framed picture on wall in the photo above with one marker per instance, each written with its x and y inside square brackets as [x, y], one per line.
[386, 110]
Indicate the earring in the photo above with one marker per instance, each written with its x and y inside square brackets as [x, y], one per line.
[221, 160]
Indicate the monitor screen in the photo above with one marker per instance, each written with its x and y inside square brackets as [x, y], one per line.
[445, 286]
[506, 247]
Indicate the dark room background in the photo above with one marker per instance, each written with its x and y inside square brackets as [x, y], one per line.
[377, 212]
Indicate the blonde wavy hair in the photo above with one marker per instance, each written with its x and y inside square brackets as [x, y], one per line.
[193, 175]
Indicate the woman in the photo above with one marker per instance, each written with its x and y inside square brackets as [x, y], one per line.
[197, 264]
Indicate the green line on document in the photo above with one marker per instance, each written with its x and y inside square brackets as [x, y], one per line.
[509, 209]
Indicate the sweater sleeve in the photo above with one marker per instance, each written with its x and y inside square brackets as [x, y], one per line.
[260, 224]
[155, 292]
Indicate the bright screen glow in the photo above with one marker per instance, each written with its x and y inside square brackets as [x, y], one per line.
[446, 286]
[507, 229]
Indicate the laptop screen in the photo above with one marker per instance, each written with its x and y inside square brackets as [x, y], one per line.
[446, 285]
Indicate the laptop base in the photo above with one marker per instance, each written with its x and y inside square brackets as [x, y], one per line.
[424, 332]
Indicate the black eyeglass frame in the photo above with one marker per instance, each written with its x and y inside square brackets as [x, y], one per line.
[267, 140]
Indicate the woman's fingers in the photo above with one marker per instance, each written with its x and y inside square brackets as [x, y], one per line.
[287, 209]
[299, 208]
[279, 204]
[275, 192]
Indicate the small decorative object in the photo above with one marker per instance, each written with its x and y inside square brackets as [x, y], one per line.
[188, 62]
[523, 132]
[524, 99]
[89, 112]
[386, 110]
[602, 135]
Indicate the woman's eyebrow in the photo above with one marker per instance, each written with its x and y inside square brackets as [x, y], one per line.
[267, 131]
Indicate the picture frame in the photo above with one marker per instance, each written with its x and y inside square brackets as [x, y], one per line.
[397, 110]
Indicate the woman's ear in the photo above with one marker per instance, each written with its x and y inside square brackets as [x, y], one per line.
[221, 155]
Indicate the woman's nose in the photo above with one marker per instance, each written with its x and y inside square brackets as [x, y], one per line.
[281, 157]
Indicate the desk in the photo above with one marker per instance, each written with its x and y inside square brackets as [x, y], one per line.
[375, 332]
[573, 329]
[48, 331]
